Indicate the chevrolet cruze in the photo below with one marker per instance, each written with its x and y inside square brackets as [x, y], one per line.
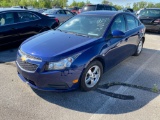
[79, 51]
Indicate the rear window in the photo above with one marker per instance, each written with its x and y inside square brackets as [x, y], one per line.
[89, 8]
[150, 13]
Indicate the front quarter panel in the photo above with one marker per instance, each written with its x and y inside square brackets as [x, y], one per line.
[89, 55]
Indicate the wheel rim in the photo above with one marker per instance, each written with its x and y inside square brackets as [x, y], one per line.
[92, 76]
[140, 47]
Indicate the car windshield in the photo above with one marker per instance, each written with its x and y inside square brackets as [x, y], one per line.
[150, 13]
[89, 8]
[86, 25]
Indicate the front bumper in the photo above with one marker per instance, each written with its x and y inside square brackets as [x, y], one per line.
[52, 80]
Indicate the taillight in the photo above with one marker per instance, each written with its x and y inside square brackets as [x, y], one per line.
[157, 21]
[56, 20]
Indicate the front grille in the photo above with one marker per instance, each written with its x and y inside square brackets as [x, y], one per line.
[26, 66]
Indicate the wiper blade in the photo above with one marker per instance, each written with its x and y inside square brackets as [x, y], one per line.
[82, 35]
[78, 34]
[59, 30]
[70, 32]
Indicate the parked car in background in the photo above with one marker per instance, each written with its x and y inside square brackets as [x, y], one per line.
[79, 51]
[60, 14]
[37, 10]
[75, 10]
[97, 7]
[150, 17]
[20, 7]
[56, 7]
[18, 25]
[129, 10]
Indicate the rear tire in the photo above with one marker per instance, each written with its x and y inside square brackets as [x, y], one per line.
[91, 76]
[139, 48]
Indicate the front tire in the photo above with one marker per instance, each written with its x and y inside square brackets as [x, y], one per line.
[139, 48]
[91, 76]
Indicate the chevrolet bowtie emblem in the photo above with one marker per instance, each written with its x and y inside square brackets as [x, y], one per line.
[23, 58]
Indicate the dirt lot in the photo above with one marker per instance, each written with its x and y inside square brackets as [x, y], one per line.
[129, 91]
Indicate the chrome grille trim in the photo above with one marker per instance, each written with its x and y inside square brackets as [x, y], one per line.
[30, 57]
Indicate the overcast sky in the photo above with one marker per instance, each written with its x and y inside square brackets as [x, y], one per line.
[119, 2]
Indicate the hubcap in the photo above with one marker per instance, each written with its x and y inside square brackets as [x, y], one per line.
[140, 47]
[92, 76]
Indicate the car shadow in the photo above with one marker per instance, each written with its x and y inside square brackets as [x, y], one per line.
[8, 54]
[153, 33]
[108, 95]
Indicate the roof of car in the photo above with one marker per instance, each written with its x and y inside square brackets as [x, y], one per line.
[97, 4]
[101, 12]
[11, 9]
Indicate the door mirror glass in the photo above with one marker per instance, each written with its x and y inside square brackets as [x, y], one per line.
[118, 34]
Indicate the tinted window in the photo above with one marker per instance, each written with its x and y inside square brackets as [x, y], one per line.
[6, 19]
[100, 7]
[68, 12]
[131, 23]
[61, 12]
[150, 12]
[107, 8]
[25, 17]
[131, 10]
[79, 25]
[89, 8]
[119, 24]
[113, 9]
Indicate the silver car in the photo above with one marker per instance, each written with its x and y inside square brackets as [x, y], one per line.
[61, 14]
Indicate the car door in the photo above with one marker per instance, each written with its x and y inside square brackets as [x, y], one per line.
[8, 28]
[68, 15]
[61, 15]
[116, 47]
[132, 33]
[28, 24]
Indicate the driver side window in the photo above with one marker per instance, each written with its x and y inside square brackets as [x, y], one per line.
[119, 24]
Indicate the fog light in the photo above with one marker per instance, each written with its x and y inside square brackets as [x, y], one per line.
[75, 81]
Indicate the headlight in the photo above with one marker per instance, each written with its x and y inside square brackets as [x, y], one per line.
[62, 64]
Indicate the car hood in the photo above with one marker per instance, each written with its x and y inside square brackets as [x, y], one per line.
[53, 45]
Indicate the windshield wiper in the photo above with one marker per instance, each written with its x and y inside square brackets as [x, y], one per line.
[59, 30]
[82, 35]
[78, 34]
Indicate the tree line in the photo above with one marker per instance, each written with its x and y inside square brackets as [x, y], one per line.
[63, 3]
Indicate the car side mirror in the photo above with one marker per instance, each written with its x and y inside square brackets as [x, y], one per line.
[118, 34]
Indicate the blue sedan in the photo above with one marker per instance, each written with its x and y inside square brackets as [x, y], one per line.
[79, 51]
